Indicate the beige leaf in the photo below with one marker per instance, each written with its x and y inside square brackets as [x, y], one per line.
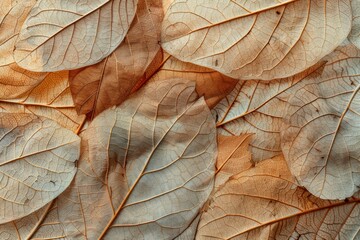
[233, 158]
[354, 35]
[265, 203]
[60, 35]
[147, 166]
[22, 228]
[321, 135]
[211, 84]
[44, 222]
[12, 15]
[51, 98]
[190, 232]
[110, 82]
[257, 107]
[49, 226]
[37, 163]
[260, 39]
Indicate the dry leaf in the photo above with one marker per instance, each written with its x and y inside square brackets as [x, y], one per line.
[190, 232]
[111, 81]
[48, 226]
[321, 136]
[12, 15]
[146, 168]
[22, 228]
[37, 163]
[264, 39]
[233, 157]
[60, 35]
[265, 203]
[354, 35]
[257, 107]
[42, 224]
[51, 98]
[14, 81]
[211, 84]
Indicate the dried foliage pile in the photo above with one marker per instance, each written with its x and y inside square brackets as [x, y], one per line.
[179, 119]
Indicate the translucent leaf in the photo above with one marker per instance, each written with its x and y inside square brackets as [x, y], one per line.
[257, 107]
[110, 82]
[211, 84]
[37, 163]
[260, 39]
[321, 135]
[264, 202]
[60, 35]
[51, 98]
[146, 168]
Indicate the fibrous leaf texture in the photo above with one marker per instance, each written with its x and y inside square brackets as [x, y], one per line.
[37, 163]
[60, 35]
[155, 151]
[255, 39]
[244, 209]
[321, 134]
[179, 119]
[110, 82]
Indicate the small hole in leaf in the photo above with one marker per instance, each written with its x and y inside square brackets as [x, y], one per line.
[277, 12]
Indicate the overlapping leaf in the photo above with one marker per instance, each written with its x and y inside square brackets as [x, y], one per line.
[263, 39]
[12, 15]
[111, 81]
[51, 98]
[354, 35]
[257, 107]
[264, 203]
[14, 81]
[146, 169]
[60, 35]
[211, 84]
[37, 163]
[321, 137]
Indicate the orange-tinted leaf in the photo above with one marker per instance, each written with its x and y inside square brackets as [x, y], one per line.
[211, 84]
[51, 98]
[110, 82]
[264, 202]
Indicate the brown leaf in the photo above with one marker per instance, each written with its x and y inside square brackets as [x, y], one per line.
[321, 134]
[255, 39]
[264, 202]
[60, 35]
[51, 98]
[211, 84]
[147, 166]
[37, 163]
[111, 81]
